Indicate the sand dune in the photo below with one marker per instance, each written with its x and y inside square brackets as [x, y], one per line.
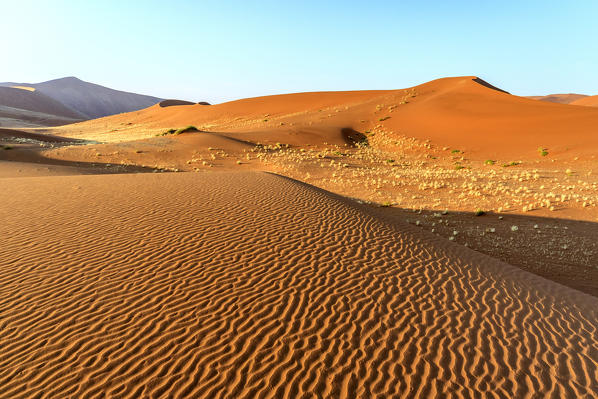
[11, 117]
[19, 134]
[559, 98]
[254, 285]
[590, 101]
[89, 100]
[37, 102]
[460, 112]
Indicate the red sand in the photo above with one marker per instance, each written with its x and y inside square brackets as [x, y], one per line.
[249, 284]
[254, 285]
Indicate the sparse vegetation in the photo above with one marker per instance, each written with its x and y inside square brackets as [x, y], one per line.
[513, 163]
[543, 152]
[166, 133]
[383, 119]
[187, 129]
[489, 162]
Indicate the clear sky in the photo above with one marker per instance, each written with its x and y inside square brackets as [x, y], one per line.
[223, 50]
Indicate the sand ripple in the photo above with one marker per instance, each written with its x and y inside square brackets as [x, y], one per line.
[253, 285]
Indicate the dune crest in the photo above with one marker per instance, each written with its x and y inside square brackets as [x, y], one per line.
[27, 88]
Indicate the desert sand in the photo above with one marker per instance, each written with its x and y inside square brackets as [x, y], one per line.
[254, 285]
[590, 101]
[434, 241]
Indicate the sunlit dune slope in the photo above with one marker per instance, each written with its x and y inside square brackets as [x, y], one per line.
[253, 285]
[463, 112]
[591, 101]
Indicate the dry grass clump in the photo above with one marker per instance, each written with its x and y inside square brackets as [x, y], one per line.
[187, 129]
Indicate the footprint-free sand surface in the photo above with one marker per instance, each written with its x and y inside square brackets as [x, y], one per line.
[253, 285]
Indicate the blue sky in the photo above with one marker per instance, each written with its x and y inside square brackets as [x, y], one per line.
[219, 50]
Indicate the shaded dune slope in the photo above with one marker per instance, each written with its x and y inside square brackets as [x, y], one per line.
[253, 285]
[19, 134]
[35, 101]
[89, 99]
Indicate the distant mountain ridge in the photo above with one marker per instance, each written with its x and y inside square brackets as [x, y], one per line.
[88, 99]
[559, 98]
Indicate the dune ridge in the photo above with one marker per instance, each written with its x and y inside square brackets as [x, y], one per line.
[463, 112]
[254, 285]
[559, 98]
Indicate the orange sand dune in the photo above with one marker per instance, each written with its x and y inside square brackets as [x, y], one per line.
[253, 285]
[463, 112]
[591, 101]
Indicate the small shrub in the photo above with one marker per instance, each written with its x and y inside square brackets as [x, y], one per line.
[459, 167]
[479, 212]
[489, 162]
[187, 129]
[542, 151]
[166, 133]
[383, 119]
[455, 151]
[386, 204]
